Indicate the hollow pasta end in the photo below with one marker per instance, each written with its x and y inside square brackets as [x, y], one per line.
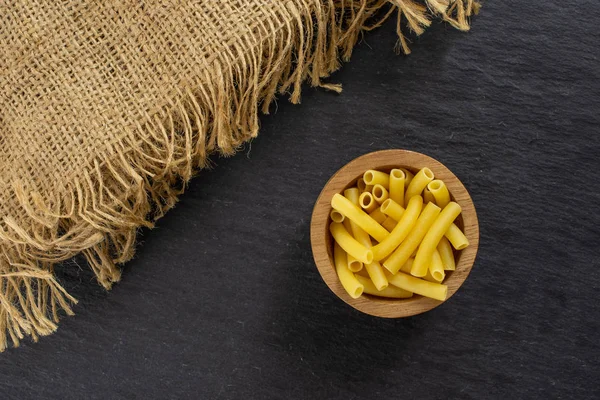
[378, 191]
[385, 205]
[398, 174]
[462, 246]
[336, 216]
[428, 173]
[434, 185]
[355, 266]
[366, 199]
[369, 257]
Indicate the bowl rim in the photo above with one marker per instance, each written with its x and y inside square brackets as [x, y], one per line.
[343, 178]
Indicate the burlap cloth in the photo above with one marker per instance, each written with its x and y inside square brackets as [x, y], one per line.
[107, 109]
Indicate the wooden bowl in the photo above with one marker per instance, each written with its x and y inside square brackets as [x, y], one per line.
[322, 242]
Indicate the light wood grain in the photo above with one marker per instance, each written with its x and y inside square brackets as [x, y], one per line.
[385, 160]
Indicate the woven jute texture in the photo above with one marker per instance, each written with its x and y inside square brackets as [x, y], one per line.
[107, 108]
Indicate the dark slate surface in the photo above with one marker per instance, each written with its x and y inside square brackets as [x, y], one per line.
[223, 300]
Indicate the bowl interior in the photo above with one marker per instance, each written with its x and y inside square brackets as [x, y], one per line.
[385, 161]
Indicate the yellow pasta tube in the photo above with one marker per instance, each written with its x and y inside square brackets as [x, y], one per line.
[402, 229]
[377, 275]
[436, 268]
[445, 250]
[352, 194]
[380, 194]
[440, 192]
[392, 209]
[457, 237]
[373, 177]
[390, 292]
[389, 224]
[433, 290]
[399, 257]
[367, 202]
[430, 278]
[407, 266]
[421, 179]
[408, 179]
[361, 185]
[428, 197]
[397, 177]
[354, 265]
[432, 238]
[374, 270]
[377, 215]
[359, 217]
[349, 244]
[336, 216]
[347, 278]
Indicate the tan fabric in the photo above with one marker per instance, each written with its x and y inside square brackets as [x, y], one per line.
[107, 108]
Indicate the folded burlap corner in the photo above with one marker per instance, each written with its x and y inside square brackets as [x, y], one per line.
[108, 108]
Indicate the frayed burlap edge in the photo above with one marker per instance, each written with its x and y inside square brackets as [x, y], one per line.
[141, 174]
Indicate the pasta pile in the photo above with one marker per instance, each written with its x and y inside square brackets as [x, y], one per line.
[394, 233]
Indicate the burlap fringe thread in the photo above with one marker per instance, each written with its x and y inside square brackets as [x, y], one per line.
[103, 210]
